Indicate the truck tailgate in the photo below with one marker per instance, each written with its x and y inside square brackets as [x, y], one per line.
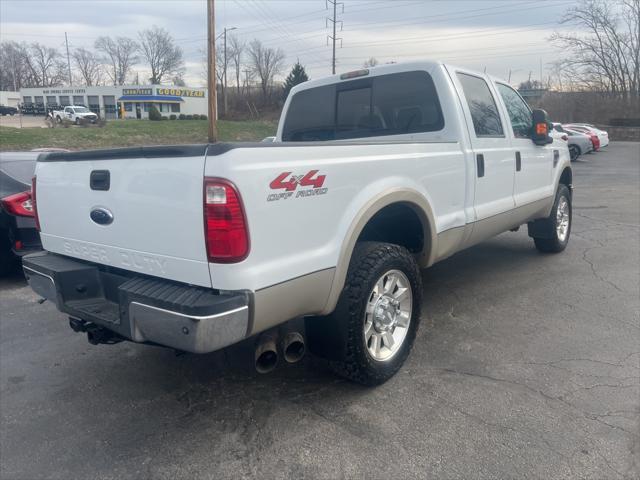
[147, 217]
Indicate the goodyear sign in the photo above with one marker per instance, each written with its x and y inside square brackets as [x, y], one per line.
[180, 92]
[137, 91]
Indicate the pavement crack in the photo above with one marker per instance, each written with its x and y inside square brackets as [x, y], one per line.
[583, 414]
[595, 271]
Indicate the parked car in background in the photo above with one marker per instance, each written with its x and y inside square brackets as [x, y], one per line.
[558, 135]
[76, 114]
[4, 110]
[579, 143]
[602, 135]
[18, 234]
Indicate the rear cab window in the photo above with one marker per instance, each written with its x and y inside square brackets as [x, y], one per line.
[482, 106]
[392, 104]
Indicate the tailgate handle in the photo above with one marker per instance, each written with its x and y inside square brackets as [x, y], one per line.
[100, 180]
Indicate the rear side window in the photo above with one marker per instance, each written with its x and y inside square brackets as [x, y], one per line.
[385, 105]
[519, 112]
[482, 105]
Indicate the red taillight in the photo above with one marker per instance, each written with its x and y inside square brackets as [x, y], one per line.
[225, 225]
[19, 204]
[34, 203]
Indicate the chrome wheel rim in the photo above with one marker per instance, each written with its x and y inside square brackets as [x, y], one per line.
[388, 315]
[562, 219]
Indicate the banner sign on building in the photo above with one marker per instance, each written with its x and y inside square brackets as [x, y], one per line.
[137, 91]
[180, 92]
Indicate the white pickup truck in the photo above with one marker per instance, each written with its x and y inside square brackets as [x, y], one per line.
[373, 175]
[75, 114]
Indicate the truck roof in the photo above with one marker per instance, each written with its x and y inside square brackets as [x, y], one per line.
[427, 65]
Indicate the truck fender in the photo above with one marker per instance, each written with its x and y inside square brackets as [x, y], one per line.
[410, 197]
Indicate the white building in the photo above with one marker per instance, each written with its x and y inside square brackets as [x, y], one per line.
[9, 99]
[120, 101]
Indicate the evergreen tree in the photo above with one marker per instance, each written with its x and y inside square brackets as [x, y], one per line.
[296, 76]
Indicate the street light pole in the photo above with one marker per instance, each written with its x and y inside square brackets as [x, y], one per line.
[226, 62]
[211, 70]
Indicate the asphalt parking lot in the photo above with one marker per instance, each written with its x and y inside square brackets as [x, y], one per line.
[526, 366]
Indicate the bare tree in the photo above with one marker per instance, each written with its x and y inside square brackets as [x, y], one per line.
[163, 56]
[266, 63]
[15, 72]
[87, 65]
[371, 62]
[45, 65]
[607, 57]
[178, 81]
[120, 54]
[236, 49]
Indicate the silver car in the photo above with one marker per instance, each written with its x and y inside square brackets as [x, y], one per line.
[602, 135]
[579, 143]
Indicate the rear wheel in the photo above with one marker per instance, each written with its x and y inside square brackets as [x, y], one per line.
[574, 152]
[370, 334]
[557, 225]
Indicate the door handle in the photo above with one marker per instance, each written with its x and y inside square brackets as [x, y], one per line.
[518, 162]
[480, 164]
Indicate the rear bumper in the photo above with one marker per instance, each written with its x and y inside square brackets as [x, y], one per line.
[141, 309]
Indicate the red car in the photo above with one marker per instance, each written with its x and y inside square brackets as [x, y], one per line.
[18, 234]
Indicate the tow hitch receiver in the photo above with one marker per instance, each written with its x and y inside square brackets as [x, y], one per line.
[96, 335]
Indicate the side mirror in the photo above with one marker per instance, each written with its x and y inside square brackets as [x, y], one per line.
[540, 128]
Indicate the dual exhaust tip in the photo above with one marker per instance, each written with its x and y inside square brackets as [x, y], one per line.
[291, 345]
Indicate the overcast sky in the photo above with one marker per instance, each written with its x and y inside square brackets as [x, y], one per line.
[499, 35]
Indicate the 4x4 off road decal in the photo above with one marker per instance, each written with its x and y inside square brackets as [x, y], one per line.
[307, 185]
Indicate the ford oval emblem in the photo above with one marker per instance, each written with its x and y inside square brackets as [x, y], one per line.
[101, 216]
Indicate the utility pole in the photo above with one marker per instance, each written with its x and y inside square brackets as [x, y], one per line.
[66, 40]
[211, 70]
[13, 69]
[333, 38]
[540, 70]
[246, 80]
[224, 91]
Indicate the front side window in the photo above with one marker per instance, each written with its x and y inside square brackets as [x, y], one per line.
[482, 105]
[384, 105]
[519, 112]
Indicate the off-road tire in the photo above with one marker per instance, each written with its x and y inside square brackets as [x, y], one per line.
[369, 262]
[551, 243]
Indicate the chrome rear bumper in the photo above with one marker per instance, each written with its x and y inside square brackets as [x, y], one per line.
[141, 309]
